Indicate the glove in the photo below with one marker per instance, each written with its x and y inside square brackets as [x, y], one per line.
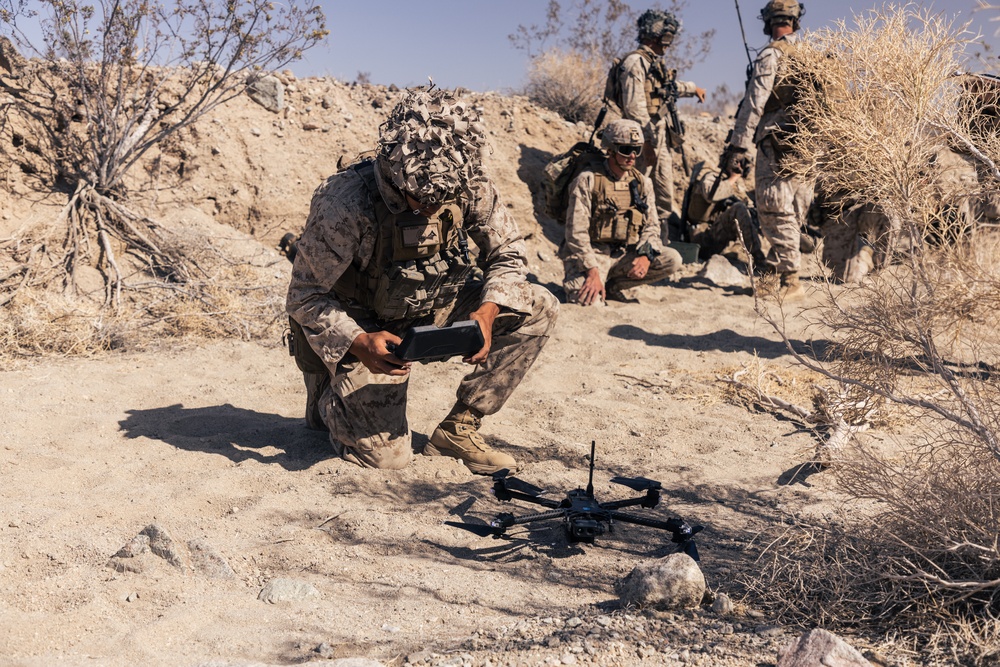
[734, 161]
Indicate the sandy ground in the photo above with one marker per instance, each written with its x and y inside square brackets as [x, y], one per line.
[206, 442]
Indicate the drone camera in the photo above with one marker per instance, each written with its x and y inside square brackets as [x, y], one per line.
[585, 530]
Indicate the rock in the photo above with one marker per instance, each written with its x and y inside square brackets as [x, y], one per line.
[419, 656]
[720, 271]
[206, 561]
[723, 605]
[268, 92]
[287, 590]
[342, 662]
[669, 583]
[310, 126]
[820, 647]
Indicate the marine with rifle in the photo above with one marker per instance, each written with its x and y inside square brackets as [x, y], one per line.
[765, 119]
[646, 91]
[386, 248]
[612, 232]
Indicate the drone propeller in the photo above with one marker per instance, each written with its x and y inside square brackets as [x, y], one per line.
[637, 483]
[515, 484]
[480, 529]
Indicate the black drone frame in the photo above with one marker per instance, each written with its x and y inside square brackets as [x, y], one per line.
[582, 515]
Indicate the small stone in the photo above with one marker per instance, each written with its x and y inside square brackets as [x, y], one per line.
[310, 126]
[132, 597]
[723, 605]
[568, 659]
[287, 590]
[255, 131]
[574, 622]
[603, 621]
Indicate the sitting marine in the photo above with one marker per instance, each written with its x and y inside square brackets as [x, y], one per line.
[386, 248]
[717, 215]
[612, 228]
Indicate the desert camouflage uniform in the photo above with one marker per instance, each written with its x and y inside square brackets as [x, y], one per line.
[580, 254]
[782, 201]
[716, 224]
[366, 413]
[635, 105]
[856, 241]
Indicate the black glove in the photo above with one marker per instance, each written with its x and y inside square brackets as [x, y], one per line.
[734, 161]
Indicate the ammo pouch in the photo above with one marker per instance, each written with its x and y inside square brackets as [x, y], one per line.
[614, 226]
[305, 357]
[399, 288]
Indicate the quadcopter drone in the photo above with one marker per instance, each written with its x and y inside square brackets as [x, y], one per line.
[582, 515]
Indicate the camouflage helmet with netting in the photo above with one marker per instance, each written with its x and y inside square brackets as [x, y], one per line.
[654, 23]
[782, 11]
[621, 132]
[432, 145]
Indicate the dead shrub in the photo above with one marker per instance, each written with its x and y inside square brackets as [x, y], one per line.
[565, 81]
[916, 545]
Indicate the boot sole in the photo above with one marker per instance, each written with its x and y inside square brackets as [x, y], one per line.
[477, 468]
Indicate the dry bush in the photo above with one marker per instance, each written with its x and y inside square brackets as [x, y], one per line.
[109, 84]
[565, 81]
[881, 113]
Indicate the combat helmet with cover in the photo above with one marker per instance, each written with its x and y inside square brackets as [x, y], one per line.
[656, 23]
[432, 145]
[782, 11]
[621, 132]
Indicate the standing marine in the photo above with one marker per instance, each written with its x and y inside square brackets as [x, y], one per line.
[764, 120]
[612, 233]
[647, 92]
[385, 248]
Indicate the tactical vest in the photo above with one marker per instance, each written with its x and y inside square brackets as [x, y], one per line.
[418, 264]
[614, 217]
[657, 77]
[785, 91]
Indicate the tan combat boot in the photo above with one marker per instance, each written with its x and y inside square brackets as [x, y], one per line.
[791, 288]
[316, 384]
[458, 437]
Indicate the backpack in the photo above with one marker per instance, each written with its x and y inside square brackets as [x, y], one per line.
[561, 171]
[613, 84]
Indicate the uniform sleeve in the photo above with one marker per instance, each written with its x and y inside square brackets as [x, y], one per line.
[758, 92]
[687, 89]
[633, 85]
[578, 213]
[650, 232]
[503, 255]
[327, 247]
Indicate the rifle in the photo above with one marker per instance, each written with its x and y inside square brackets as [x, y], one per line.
[670, 95]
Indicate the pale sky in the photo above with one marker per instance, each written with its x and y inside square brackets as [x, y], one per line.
[464, 42]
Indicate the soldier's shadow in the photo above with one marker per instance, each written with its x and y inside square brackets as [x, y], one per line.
[724, 340]
[236, 433]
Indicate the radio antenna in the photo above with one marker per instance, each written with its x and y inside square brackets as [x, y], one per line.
[590, 480]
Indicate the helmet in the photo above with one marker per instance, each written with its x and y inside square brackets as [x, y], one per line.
[655, 24]
[621, 132]
[787, 11]
[431, 147]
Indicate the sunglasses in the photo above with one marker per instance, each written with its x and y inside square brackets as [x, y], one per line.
[629, 151]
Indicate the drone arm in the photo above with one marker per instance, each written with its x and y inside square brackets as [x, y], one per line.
[648, 501]
[507, 494]
[509, 520]
[676, 526]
